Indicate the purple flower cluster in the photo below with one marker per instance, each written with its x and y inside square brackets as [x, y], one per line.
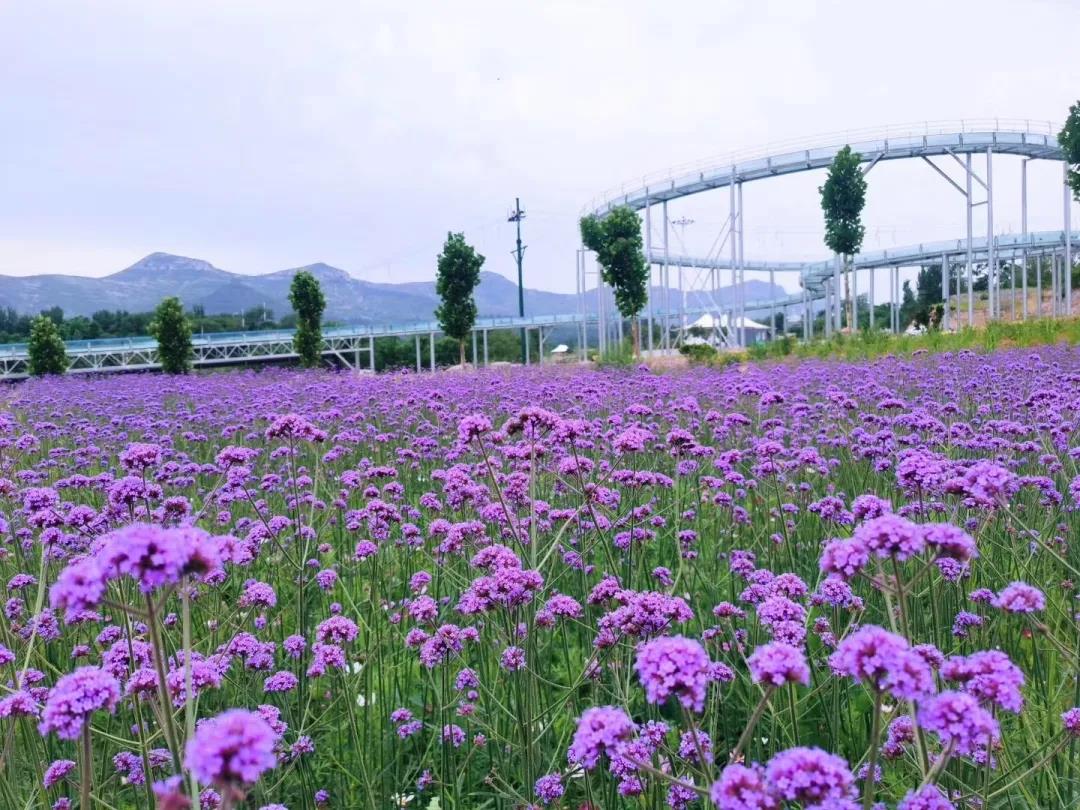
[960, 722]
[1019, 597]
[151, 555]
[674, 666]
[810, 777]
[75, 697]
[599, 731]
[235, 747]
[884, 662]
[778, 663]
[315, 535]
[989, 676]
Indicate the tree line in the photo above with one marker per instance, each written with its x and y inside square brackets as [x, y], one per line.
[457, 276]
[172, 328]
[15, 326]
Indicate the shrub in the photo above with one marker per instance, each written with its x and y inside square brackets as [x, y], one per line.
[173, 332]
[46, 349]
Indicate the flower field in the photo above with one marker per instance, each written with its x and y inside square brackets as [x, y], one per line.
[831, 585]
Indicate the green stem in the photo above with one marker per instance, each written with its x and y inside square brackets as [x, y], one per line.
[1033, 769]
[759, 710]
[156, 645]
[875, 732]
[939, 766]
[189, 703]
[86, 778]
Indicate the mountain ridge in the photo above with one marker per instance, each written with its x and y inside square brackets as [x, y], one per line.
[139, 288]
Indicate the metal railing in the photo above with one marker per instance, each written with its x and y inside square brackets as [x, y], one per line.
[825, 141]
[96, 345]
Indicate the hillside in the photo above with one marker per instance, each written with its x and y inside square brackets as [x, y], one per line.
[140, 287]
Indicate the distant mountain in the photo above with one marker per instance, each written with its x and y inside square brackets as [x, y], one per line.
[140, 287]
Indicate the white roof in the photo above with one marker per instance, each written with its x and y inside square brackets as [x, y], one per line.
[562, 348]
[709, 321]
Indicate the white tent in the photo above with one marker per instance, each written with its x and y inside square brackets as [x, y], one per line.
[709, 321]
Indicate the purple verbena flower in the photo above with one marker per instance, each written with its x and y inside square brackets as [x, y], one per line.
[674, 666]
[233, 748]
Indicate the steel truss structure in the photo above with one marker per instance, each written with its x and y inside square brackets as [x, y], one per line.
[352, 347]
[955, 141]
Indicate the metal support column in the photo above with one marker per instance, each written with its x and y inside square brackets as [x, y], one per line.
[648, 261]
[854, 325]
[431, 350]
[664, 283]
[1068, 243]
[830, 304]
[958, 284]
[601, 323]
[682, 301]
[991, 257]
[527, 347]
[734, 248]
[805, 315]
[474, 352]
[1024, 232]
[1012, 288]
[970, 262]
[418, 366]
[895, 273]
[772, 305]
[872, 298]
[371, 353]
[1038, 286]
[740, 293]
[838, 305]
[892, 300]
[1054, 293]
[584, 313]
[485, 347]
[945, 291]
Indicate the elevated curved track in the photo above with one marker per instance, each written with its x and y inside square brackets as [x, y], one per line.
[955, 141]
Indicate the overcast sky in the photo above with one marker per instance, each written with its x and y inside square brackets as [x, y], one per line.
[265, 135]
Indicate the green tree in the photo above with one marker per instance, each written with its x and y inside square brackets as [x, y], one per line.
[616, 240]
[842, 199]
[456, 277]
[173, 332]
[910, 312]
[54, 314]
[1069, 138]
[46, 348]
[308, 302]
[928, 288]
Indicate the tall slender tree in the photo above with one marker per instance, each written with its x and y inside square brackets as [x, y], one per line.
[308, 302]
[46, 350]
[616, 240]
[842, 199]
[1069, 138]
[456, 276]
[173, 332]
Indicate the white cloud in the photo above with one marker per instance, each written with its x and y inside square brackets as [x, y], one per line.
[265, 135]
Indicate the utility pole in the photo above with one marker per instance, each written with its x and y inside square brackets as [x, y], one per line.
[516, 216]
